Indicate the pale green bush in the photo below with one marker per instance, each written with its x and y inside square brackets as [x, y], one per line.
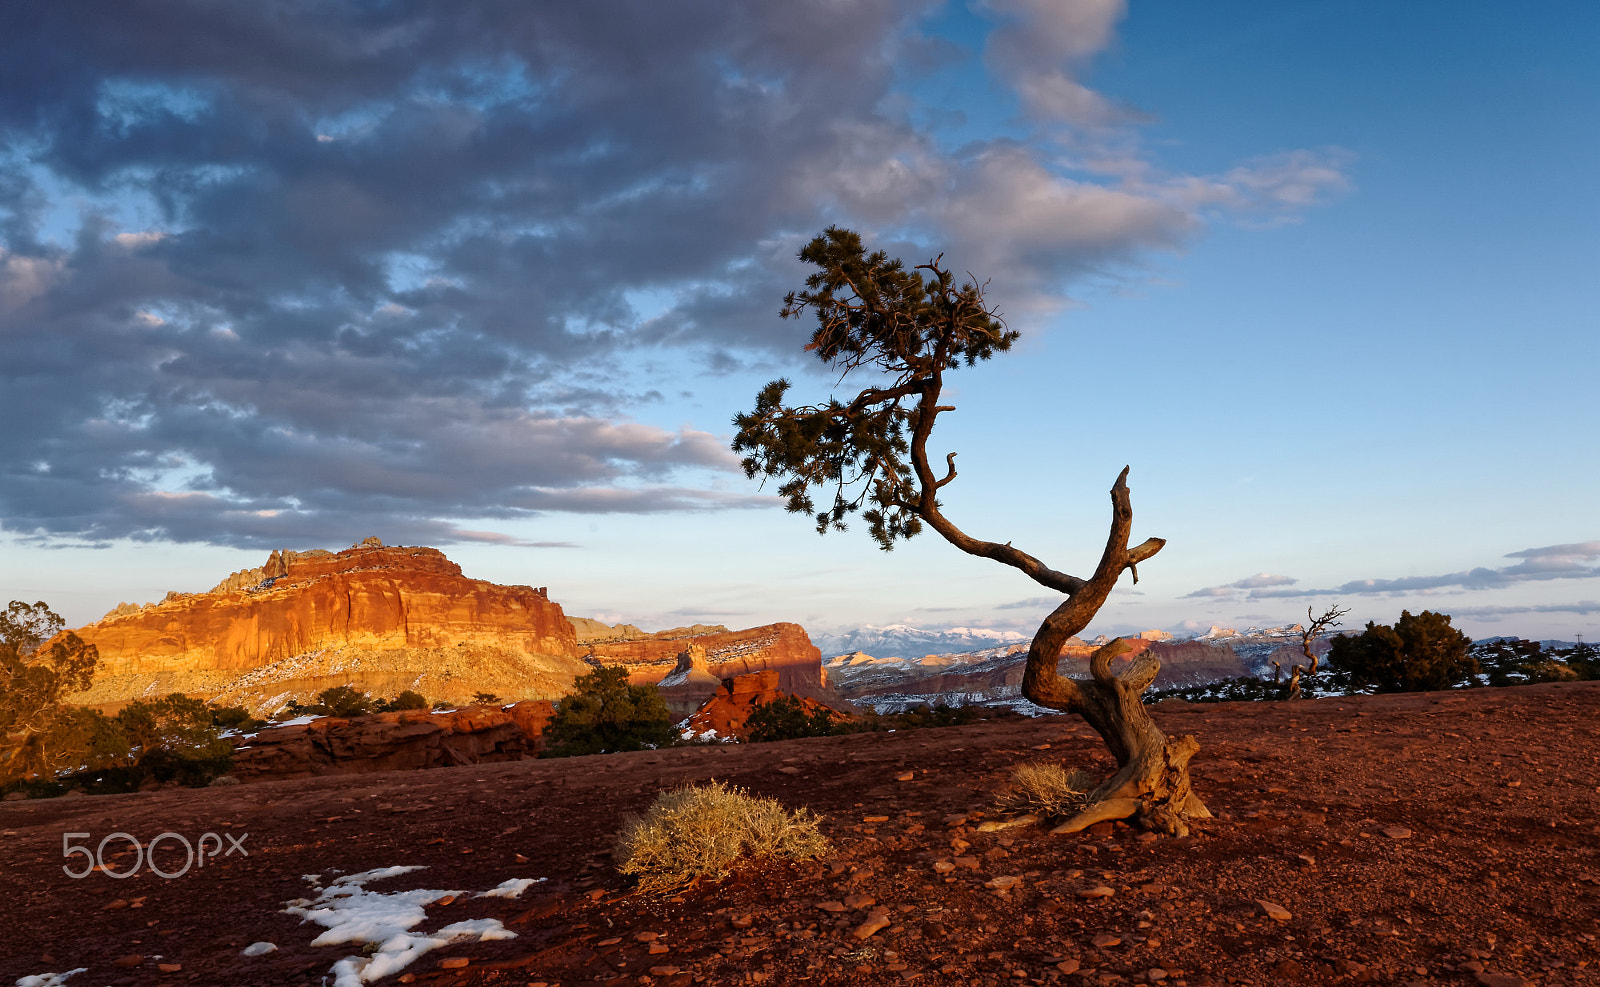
[1045, 788]
[691, 832]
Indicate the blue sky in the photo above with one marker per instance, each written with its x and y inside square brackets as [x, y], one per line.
[496, 279]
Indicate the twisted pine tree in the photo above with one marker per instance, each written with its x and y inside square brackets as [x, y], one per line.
[871, 455]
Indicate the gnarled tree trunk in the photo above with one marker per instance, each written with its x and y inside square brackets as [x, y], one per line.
[1151, 784]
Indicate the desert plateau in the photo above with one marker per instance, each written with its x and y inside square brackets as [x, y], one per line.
[1428, 838]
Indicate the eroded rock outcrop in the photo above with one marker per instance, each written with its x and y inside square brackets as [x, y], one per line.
[383, 619]
[782, 648]
[727, 712]
[394, 742]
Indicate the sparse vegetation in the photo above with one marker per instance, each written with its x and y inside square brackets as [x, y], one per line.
[39, 733]
[604, 714]
[702, 832]
[485, 699]
[1419, 653]
[406, 700]
[785, 718]
[1046, 789]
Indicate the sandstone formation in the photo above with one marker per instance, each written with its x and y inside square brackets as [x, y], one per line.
[394, 742]
[727, 712]
[383, 619]
[783, 648]
[590, 631]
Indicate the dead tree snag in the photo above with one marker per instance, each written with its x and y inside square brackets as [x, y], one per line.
[871, 453]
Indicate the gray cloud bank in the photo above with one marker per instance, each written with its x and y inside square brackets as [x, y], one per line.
[1576, 560]
[293, 272]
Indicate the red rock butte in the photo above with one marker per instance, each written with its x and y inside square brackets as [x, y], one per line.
[387, 619]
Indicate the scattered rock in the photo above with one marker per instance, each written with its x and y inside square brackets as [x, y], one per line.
[1397, 832]
[647, 936]
[874, 922]
[1275, 912]
[1488, 979]
[905, 776]
[169, 967]
[128, 962]
[1002, 883]
[831, 906]
[454, 962]
[859, 901]
[1100, 892]
[1068, 966]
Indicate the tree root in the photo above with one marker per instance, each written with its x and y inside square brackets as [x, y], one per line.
[1101, 811]
[996, 825]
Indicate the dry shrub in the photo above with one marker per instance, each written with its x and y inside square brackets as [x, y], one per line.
[1045, 788]
[692, 832]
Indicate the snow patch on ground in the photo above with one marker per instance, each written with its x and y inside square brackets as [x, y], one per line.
[49, 979]
[351, 913]
[510, 889]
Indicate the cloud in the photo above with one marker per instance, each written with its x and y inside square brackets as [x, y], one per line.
[1584, 607]
[1572, 561]
[270, 275]
[1231, 590]
[1043, 46]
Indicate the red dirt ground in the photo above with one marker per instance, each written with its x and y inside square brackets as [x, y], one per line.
[1498, 881]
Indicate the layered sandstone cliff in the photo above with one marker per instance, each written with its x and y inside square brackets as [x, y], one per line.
[782, 648]
[384, 619]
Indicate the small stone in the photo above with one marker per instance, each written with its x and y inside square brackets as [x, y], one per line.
[408, 978]
[659, 947]
[958, 845]
[874, 819]
[831, 906]
[128, 962]
[259, 949]
[1155, 973]
[789, 769]
[520, 858]
[744, 921]
[663, 971]
[905, 776]
[1288, 970]
[1100, 892]
[112, 906]
[1002, 883]
[1068, 966]
[647, 936]
[1041, 747]
[1397, 832]
[1472, 966]
[1275, 912]
[1307, 862]
[859, 901]
[943, 866]
[955, 820]
[169, 967]
[454, 962]
[874, 922]
[446, 900]
[609, 942]
[596, 894]
[970, 863]
[1105, 939]
[1488, 979]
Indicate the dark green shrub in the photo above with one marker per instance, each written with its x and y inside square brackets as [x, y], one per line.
[406, 700]
[485, 699]
[1417, 654]
[785, 718]
[346, 701]
[605, 714]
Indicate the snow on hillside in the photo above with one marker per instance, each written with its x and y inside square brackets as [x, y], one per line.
[904, 641]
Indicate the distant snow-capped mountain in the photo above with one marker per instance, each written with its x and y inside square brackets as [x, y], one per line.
[903, 641]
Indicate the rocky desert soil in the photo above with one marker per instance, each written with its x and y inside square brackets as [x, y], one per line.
[1444, 838]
